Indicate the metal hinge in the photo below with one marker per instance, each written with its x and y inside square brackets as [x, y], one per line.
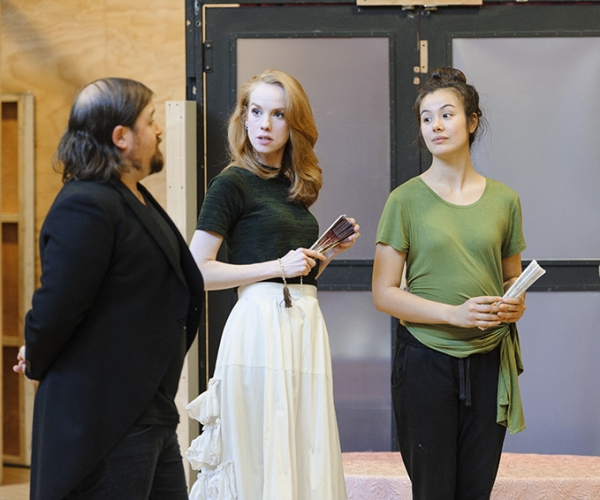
[424, 56]
[208, 56]
[423, 67]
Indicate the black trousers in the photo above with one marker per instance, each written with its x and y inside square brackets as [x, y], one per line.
[145, 465]
[445, 410]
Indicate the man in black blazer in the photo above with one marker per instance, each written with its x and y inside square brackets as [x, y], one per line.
[118, 307]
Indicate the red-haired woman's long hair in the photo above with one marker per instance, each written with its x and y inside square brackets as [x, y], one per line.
[300, 164]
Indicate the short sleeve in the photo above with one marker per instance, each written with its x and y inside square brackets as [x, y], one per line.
[515, 240]
[392, 229]
[223, 204]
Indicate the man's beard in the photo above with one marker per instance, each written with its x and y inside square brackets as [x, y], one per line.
[157, 162]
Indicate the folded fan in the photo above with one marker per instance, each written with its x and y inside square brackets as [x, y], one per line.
[337, 232]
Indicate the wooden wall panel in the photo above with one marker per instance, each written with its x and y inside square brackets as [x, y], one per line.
[12, 414]
[150, 36]
[50, 48]
[10, 176]
[54, 47]
[10, 280]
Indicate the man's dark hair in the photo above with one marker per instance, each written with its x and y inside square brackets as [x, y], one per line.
[86, 150]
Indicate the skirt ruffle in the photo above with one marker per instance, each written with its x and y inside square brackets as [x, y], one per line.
[218, 484]
[216, 481]
[206, 408]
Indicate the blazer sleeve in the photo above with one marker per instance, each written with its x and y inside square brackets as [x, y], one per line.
[75, 249]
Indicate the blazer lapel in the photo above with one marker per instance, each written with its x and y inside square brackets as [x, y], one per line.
[150, 224]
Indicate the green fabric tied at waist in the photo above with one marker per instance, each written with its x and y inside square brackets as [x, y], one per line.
[510, 408]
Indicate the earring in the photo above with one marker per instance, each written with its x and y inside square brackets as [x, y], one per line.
[246, 126]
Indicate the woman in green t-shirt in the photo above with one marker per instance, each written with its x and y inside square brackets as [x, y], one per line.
[270, 430]
[457, 235]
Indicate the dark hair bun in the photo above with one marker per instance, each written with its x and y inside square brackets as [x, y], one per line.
[448, 75]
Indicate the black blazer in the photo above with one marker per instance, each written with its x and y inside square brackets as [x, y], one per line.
[103, 327]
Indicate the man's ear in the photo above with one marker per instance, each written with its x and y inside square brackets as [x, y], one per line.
[121, 137]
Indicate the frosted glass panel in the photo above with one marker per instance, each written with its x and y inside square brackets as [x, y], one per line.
[361, 350]
[560, 343]
[541, 99]
[347, 82]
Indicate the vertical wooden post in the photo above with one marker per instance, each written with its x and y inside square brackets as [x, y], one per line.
[182, 208]
[1, 325]
[27, 281]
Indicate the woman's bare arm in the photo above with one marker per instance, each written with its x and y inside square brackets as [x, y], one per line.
[219, 275]
[391, 299]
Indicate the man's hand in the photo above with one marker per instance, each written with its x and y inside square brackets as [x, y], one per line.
[21, 365]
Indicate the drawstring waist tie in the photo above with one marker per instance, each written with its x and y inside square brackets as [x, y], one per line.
[464, 380]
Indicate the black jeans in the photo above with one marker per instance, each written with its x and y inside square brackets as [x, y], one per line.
[145, 465]
[445, 410]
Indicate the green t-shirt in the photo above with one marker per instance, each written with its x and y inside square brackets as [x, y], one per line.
[455, 252]
[256, 220]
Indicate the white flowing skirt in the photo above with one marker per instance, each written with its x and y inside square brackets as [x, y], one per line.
[270, 431]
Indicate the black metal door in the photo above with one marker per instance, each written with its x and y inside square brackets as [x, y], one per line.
[221, 39]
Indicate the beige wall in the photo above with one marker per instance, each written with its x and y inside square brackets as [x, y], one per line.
[54, 47]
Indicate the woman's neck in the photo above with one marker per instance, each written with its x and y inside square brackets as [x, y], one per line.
[457, 183]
